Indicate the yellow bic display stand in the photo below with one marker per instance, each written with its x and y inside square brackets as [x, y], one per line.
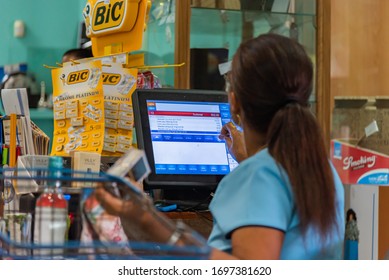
[115, 26]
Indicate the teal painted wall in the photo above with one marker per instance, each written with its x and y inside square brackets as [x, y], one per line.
[51, 29]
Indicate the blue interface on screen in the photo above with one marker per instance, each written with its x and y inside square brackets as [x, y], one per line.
[185, 137]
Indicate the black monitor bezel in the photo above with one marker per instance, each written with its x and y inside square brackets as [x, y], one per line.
[143, 135]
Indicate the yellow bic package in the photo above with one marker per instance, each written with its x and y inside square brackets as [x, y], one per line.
[78, 102]
[119, 83]
[93, 108]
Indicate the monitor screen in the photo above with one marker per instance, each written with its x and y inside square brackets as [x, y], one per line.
[179, 131]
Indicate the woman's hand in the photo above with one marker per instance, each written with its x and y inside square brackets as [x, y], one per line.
[235, 141]
[113, 205]
[140, 216]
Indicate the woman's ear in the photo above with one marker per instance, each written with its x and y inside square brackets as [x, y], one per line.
[234, 103]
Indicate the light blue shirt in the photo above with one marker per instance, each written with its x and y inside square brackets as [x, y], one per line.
[258, 193]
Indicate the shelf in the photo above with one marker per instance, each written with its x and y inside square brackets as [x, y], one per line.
[257, 12]
[212, 28]
[281, 7]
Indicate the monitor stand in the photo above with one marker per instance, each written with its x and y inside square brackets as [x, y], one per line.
[186, 200]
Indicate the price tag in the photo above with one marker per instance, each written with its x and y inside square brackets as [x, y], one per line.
[371, 128]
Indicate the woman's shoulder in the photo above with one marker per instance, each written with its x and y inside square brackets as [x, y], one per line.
[256, 167]
[260, 161]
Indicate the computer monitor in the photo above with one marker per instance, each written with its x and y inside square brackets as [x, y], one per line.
[179, 129]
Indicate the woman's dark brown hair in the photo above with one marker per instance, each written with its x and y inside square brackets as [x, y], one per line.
[272, 79]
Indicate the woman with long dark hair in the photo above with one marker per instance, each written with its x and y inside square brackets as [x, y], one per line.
[284, 200]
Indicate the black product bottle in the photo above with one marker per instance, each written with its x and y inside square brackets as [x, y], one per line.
[27, 205]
